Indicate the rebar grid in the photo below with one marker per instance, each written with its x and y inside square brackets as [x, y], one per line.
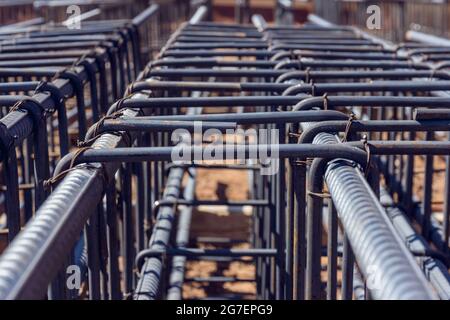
[342, 217]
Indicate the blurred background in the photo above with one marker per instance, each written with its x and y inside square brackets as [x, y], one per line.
[397, 16]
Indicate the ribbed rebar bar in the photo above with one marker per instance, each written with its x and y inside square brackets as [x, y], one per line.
[381, 255]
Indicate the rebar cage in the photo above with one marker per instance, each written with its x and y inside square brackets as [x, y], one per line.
[357, 207]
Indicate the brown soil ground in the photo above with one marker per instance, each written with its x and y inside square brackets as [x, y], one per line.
[220, 185]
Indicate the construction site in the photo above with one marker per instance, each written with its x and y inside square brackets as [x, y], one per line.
[224, 150]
